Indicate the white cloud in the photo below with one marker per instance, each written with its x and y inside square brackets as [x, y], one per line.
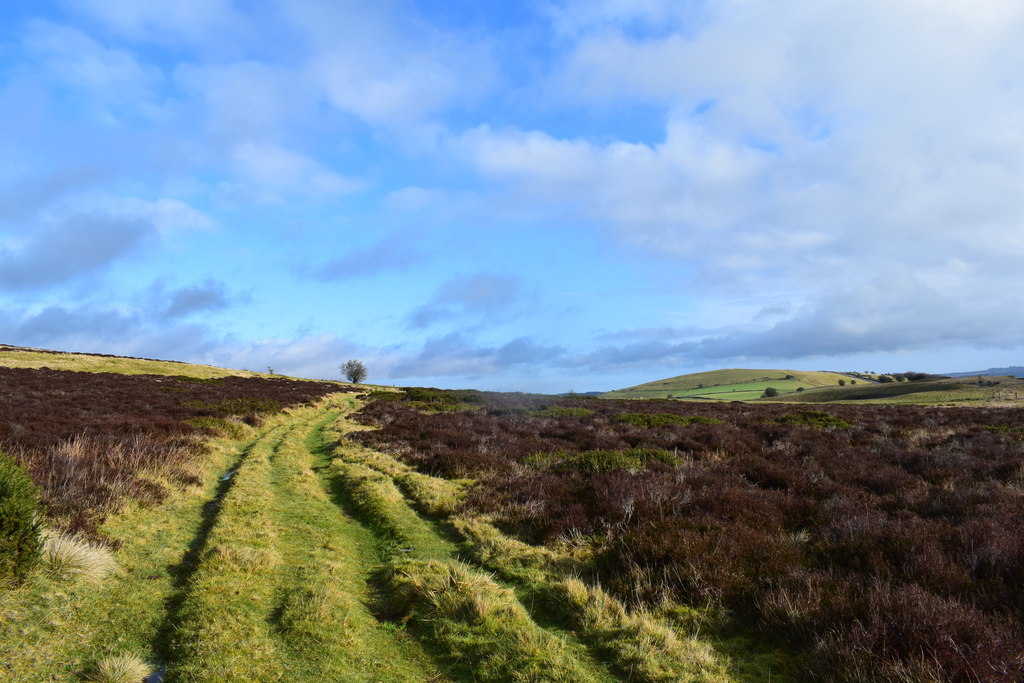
[249, 99]
[809, 152]
[161, 19]
[107, 76]
[376, 62]
[269, 170]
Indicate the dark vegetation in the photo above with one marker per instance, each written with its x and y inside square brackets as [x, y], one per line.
[19, 527]
[89, 440]
[882, 541]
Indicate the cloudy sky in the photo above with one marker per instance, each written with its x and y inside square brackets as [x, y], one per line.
[543, 195]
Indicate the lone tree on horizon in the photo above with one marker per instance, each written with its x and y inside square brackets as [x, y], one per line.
[354, 371]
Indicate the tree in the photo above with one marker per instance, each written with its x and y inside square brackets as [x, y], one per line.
[842, 382]
[354, 371]
[769, 392]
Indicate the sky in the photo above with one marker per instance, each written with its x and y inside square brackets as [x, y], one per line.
[535, 195]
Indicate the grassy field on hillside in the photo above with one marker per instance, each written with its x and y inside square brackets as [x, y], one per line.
[967, 390]
[729, 385]
[19, 357]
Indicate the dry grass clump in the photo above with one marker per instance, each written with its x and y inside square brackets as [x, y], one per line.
[121, 669]
[479, 623]
[432, 495]
[637, 643]
[68, 555]
[487, 545]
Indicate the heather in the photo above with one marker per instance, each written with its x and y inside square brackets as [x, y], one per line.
[92, 440]
[881, 540]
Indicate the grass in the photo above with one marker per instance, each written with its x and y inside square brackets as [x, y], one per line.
[66, 554]
[18, 357]
[454, 604]
[305, 557]
[121, 669]
[729, 385]
[60, 627]
[639, 645]
[304, 566]
[928, 392]
[481, 624]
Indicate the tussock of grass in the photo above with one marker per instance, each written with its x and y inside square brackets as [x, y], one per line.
[241, 558]
[488, 546]
[376, 497]
[637, 643]
[318, 613]
[230, 428]
[67, 555]
[121, 669]
[479, 623]
[433, 496]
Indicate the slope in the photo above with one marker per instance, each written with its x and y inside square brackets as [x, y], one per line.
[22, 357]
[305, 557]
[729, 385]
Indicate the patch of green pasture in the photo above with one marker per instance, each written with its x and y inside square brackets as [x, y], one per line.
[718, 381]
[933, 392]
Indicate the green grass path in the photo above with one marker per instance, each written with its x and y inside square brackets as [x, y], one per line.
[281, 590]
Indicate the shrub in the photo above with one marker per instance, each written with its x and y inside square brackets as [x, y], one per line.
[562, 412]
[20, 538]
[662, 419]
[601, 460]
[814, 418]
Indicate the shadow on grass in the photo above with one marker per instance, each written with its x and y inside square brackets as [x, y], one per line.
[182, 572]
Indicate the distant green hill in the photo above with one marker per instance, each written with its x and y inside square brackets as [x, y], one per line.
[733, 384]
[947, 391]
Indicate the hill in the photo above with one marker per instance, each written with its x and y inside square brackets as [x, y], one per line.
[949, 391]
[23, 357]
[731, 385]
[1012, 371]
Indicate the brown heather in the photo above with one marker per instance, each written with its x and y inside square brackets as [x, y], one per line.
[890, 548]
[91, 440]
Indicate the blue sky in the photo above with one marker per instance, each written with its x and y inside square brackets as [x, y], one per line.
[546, 195]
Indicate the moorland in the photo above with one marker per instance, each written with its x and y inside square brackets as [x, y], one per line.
[187, 523]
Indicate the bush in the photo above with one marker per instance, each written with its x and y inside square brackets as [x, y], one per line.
[814, 418]
[20, 538]
[662, 419]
